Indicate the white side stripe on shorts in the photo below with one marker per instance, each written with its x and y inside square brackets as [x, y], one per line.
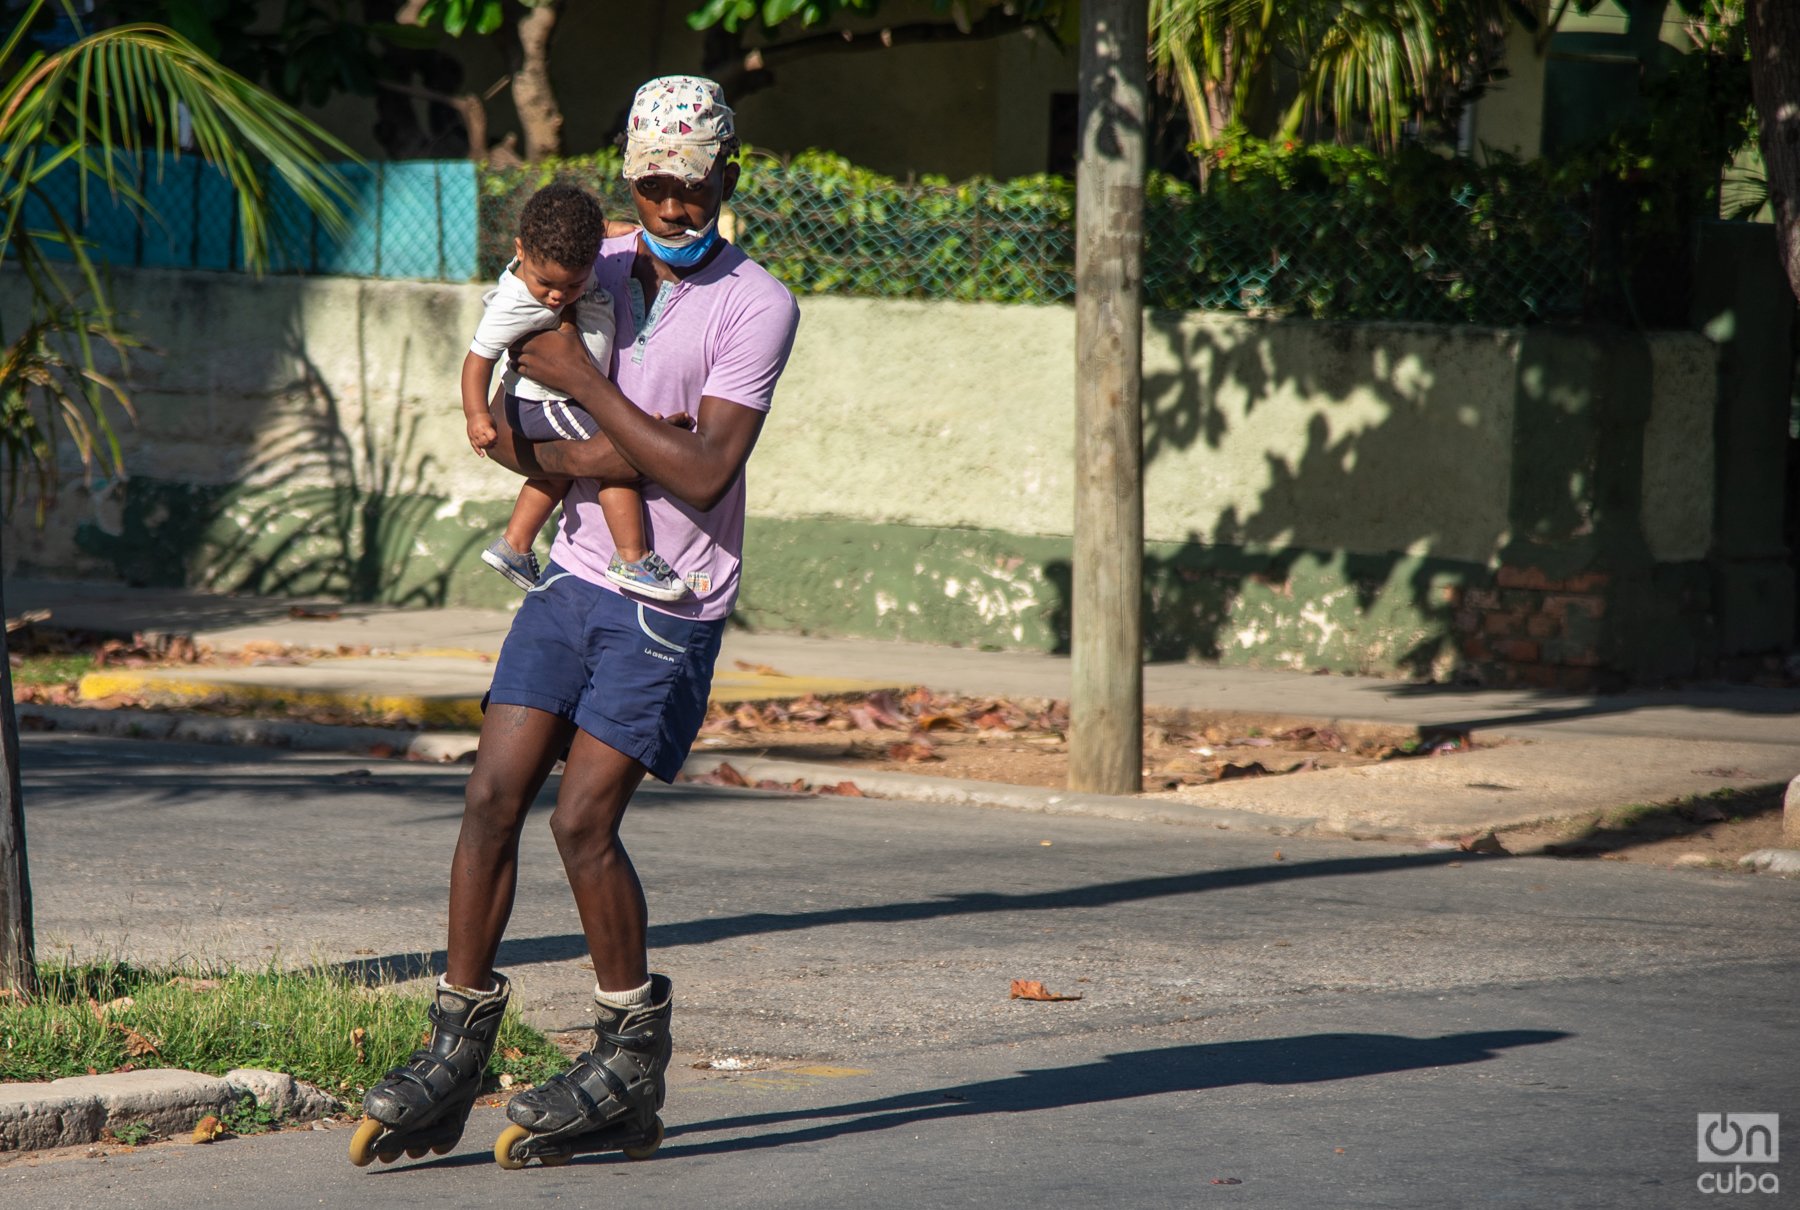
[553, 579]
[550, 406]
[644, 625]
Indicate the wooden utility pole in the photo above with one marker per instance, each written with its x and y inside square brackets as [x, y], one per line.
[1773, 28]
[18, 965]
[1107, 697]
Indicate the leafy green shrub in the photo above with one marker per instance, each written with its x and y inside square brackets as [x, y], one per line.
[1315, 230]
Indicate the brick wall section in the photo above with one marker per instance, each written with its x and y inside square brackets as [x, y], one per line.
[1533, 630]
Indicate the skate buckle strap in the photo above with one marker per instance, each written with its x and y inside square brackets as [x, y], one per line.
[613, 1083]
[443, 1024]
[422, 1056]
[642, 1040]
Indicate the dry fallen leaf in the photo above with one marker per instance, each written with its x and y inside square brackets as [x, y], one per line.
[136, 1044]
[202, 985]
[1031, 989]
[847, 789]
[208, 1129]
[513, 1053]
[918, 750]
[1486, 842]
[1253, 769]
[356, 1039]
[759, 669]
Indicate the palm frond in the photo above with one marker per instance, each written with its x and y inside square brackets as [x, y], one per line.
[102, 106]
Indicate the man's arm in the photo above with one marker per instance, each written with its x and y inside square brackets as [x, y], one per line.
[594, 458]
[696, 465]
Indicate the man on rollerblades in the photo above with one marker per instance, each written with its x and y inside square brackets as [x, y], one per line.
[618, 682]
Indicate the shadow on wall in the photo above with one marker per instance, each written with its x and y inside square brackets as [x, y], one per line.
[1612, 513]
[334, 509]
[1305, 568]
[319, 502]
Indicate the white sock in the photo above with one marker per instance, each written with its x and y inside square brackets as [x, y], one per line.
[468, 993]
[632, 999]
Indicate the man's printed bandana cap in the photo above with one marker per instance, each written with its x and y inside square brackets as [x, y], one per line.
[677, 127]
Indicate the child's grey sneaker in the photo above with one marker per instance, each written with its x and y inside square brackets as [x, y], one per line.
[521, 567]
[649, 576]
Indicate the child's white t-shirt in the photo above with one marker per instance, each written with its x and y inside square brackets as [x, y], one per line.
[511, 312]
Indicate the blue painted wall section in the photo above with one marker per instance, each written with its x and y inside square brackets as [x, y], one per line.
[411, 219]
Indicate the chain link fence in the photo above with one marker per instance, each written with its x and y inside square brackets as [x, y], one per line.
[405, 220]
[1464, 258]
[824, 227]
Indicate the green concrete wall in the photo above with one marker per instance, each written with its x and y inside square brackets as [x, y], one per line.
[1315, 494]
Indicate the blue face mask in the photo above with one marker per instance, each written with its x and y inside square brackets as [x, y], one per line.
[687, 250]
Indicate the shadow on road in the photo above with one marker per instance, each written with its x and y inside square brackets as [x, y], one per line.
[1752, 701]
[568, 946]
[1310, 1059]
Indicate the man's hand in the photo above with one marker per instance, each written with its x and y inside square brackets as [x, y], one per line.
[558, 360]
[482, 435]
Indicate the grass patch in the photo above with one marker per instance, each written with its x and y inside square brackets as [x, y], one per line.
[317, 1024]
[61, 668]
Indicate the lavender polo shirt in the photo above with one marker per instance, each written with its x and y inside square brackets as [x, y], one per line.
[725, 331]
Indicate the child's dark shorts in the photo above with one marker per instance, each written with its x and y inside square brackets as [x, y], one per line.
[635, 679]
[549, 419]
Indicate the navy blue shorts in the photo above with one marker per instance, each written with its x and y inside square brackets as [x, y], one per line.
[549, 419]
[635, 679]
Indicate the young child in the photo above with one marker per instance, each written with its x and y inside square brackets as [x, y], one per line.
[551, 278]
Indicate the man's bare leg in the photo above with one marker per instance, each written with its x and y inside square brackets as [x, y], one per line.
[597, 785]
[425, 1105]
[519, 746]
[608, 1099]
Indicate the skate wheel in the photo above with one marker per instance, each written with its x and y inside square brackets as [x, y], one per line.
[362, 1143]
[413, 1153]
[443, 1149]
[387, 1157]
[556, 1159]
[503, 1147]
[647, 1148]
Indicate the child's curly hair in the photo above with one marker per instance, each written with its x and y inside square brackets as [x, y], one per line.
[562, 224]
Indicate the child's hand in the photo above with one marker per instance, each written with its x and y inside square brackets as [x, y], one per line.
[482, 434]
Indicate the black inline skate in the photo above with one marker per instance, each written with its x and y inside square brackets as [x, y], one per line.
[607, 1101]
[424, 1105]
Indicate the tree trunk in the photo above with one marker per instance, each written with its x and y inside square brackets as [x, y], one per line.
[18, 964]
[1773, 27]
[533, 98]
[1106, 702]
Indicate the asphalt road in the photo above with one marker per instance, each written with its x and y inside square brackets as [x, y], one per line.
[1342, 1025]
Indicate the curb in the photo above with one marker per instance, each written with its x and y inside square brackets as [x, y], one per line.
[1783, 863]
[962, 792]
[131, 723]
[447, 747]
[441, 711]
[455, 707]
[456, 747]
[169, 1102]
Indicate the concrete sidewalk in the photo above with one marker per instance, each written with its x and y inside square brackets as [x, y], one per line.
[1576, 755]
